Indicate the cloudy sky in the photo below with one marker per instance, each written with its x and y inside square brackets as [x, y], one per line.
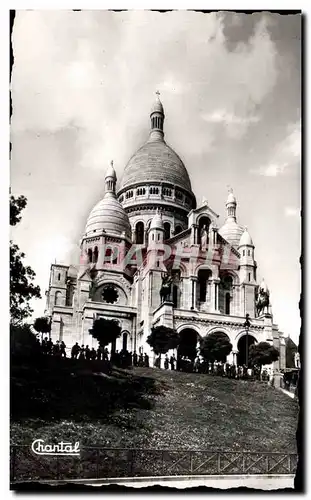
[82, 87]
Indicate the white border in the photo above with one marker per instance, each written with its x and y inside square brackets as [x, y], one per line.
[4, 184]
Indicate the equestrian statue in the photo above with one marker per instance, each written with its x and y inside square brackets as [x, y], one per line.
[262, 299]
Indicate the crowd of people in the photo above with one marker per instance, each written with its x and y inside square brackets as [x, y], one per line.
[125, 359]
[199, 365]
[122, 359]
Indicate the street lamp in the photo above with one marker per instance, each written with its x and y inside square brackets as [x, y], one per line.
[247, 324]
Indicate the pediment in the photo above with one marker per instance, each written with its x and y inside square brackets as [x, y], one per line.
[204, 209]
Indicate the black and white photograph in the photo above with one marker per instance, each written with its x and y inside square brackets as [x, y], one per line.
[155, 249]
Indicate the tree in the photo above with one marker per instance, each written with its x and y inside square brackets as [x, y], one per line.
[215, 347]
[42, 325]
[262, 354]
[105, 331]
[22, 288]
[23, 341]
[162, 339]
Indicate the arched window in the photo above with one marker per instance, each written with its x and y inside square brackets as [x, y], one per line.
[111, 255]
[175, 296]
[124, 341]
[95, 255]
[225, 293]
[178, 229]
[227, 304]
[167, 230]
[248, 253]
[58, 298]
[108, 253]
[204, 275]
[243, 253]
[69, 293]
[139, 233]
[90, 254]
[58, 277]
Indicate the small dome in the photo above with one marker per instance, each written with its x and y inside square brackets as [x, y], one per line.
[231, 232]
[157, 106]
[109, 216]
[246, 239]
[157, 222]
[111, 171]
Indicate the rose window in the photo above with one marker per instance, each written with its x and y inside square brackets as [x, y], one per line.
[110, 294]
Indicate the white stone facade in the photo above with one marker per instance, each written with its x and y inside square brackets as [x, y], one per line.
[120, 274]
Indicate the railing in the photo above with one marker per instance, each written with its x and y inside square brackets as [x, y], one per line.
[98, 462]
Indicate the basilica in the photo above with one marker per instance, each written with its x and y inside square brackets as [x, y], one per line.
[150, 255]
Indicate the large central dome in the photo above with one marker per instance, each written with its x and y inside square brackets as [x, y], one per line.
[156, 162]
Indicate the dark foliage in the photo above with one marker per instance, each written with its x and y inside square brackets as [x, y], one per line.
[105, 331]
[42, 325]
[23, 342]
[215, 347]
[16, 207]
[22, 288]
[262, 354]
[162, 339]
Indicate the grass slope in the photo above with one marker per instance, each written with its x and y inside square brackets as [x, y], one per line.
[148, 408]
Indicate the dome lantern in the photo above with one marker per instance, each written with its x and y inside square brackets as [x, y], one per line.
[231, 205]
[157, 120]
[110, 179]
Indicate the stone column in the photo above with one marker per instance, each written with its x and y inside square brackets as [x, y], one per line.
[208, 295]
[150, 289]
[235, 357]
[181, 304]
[195, 293]
[193, 300]
[214, 236]
[216, 297]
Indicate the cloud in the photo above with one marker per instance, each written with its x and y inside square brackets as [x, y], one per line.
[222, 116]
[235, 125]
[286, 154]
[292, 212]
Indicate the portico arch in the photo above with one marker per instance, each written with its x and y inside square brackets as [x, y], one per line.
[241, 334]
[243, 346]
[189, 339]
[192, 326]
[222, 330]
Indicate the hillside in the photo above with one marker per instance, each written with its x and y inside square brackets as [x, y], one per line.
[148, 408]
